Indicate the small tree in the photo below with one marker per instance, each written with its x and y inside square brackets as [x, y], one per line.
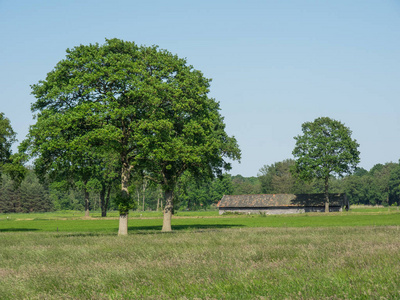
[10, 164]
[7, 138]
[325, 148]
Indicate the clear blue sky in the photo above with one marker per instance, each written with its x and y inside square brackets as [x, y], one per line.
[274, 64]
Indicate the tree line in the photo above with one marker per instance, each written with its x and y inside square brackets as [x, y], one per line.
[378, 186]
[190, 194]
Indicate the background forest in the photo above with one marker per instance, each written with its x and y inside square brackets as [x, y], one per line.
[378, 186]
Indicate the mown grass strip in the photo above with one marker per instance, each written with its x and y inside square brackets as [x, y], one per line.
[70, 214]
[141, 224]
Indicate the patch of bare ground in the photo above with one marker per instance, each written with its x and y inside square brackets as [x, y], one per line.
[6, 272]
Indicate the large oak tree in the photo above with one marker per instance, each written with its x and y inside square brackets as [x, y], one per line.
[324, 149]
[144, 104]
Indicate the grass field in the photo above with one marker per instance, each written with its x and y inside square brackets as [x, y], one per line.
[151, 221]
[349, 255]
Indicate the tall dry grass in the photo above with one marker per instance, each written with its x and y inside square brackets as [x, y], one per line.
[247, 263]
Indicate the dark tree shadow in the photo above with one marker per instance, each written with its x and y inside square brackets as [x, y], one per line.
[191, 227]
[135, 230]
[316, 200]
[85, 234]
[17, 229]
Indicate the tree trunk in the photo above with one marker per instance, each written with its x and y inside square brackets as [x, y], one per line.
[144, 185]
[102, 202]
[107, 201]
[161, 201]
[86, 203]
[169, 206]
[123, 224]
[123, 216]
[94, 204]
[326, 195]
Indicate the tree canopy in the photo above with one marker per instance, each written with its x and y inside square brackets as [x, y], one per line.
[324, 149]
[278, 178]
[7, 138]
[142, 103]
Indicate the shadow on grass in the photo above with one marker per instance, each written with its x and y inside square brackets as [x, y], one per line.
[84, 234]
[17, 229]
[135, 230]
[191, 227]
[142, 230]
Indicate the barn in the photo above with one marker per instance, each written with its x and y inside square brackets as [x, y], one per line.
[273, 204]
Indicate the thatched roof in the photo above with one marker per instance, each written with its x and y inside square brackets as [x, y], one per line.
[280, 200]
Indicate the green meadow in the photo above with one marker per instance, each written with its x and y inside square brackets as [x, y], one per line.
[62, 255]
[152, 221]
